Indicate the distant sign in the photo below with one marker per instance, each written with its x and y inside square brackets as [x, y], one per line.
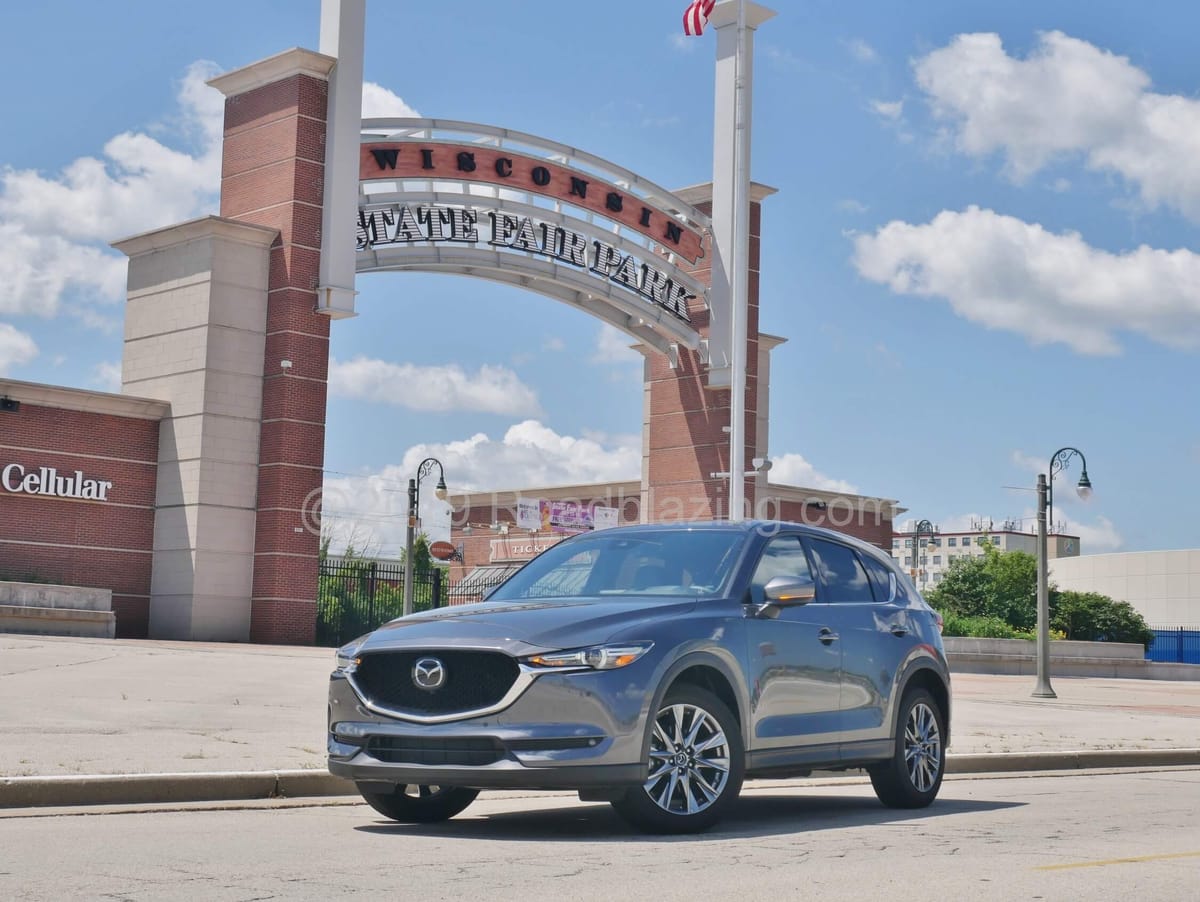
[564, 516]
[443, 551]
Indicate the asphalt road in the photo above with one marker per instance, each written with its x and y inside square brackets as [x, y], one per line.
[1087, 836]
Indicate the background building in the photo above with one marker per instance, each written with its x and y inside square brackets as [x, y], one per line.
[492, 544]
[1163, 586]
[937, 552]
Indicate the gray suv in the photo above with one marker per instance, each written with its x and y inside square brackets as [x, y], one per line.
[656, 668]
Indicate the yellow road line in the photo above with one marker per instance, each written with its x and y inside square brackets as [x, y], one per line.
[1101, 864]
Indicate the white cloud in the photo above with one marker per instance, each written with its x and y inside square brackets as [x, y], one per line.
[614, 346]
[862, 51]
[1067, 97]
[793, 469]
[491, 389]
[1095, 538]
[850, 205]
[380, 103]
[890, 110]
[140, 184]
[529, 454]
[554, 343]
[107, 376]
[16, 348]
[1029, 462]
[54, 229]
[1007, 274]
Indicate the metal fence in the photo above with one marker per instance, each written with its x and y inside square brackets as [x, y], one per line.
[356, 596]
[1177, 644]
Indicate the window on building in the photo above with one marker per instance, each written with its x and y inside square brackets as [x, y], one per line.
[895, 543]
[937, 558]
[981, 540]
[908, 543]
[952, 541]
[908, 560]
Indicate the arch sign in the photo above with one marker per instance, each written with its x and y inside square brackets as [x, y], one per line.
[455, 197]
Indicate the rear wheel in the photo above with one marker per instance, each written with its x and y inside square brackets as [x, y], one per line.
[912, 776]
[412, 804]
[695, 766]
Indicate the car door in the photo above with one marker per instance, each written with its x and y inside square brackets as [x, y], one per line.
[794, 659]
[872, 626]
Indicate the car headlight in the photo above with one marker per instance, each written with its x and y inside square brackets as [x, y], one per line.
[598, 657]
[346, 658]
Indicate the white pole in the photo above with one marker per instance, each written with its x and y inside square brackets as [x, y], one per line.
[735, 22]
[343, 25]
[739, 275]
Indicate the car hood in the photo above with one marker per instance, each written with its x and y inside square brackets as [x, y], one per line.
[526, 627]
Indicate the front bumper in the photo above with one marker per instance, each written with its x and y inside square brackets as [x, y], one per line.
[565, 731]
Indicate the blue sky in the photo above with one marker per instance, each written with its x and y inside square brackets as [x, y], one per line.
[984, 246]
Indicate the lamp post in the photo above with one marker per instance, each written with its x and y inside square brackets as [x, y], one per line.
[923, 527]
[1045, 492]
[414, 501]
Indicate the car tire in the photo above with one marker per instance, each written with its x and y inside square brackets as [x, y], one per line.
[912, 777]
[696, 765]
[412, 804]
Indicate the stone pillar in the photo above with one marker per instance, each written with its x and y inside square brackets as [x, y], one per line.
[195, 326]
[685, 422]
[273, 175]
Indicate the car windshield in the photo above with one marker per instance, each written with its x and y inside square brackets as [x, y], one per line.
[672, 562]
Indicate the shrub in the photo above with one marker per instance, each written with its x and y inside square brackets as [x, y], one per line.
[981, 627]
[1097, 618]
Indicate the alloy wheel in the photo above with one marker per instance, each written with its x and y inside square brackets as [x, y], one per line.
[689, 760]
[922, 747]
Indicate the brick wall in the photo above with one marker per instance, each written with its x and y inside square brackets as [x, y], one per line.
[103, 545]
[273, 175]
[685, 419]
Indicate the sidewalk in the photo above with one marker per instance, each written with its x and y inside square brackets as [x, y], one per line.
[73, 707]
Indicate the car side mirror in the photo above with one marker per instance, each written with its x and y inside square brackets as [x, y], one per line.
[789, 590]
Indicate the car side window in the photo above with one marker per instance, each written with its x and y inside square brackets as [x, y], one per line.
[840, 573]
[883, 580]
[782, 556]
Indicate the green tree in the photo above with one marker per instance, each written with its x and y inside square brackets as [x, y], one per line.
[998, 585]
[1097, 618]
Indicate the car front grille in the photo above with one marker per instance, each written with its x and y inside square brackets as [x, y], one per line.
[474, 680]
[443, 752]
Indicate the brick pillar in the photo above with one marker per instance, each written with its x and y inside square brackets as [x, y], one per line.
[273, 175]
[684, 421]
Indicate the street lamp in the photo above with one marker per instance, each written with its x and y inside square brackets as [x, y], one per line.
[924, 527]
[414, 501]
[1045, 491]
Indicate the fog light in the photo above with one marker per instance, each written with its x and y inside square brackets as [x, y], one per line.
[340, 749]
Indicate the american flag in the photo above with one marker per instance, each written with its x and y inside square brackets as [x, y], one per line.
[696, 15]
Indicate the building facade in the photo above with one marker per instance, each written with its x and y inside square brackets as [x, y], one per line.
[1162, 586]
[936, 553]
[493, 539]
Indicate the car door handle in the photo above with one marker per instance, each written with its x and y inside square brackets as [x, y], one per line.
[898, 630]
[826, 635]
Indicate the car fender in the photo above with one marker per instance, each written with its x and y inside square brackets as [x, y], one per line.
[719, 659]
[920, 659]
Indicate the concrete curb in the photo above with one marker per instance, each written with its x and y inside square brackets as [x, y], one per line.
[133, 789]
[1011, 762]
[142, 789]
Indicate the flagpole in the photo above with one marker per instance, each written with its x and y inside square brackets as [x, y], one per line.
[739, 278]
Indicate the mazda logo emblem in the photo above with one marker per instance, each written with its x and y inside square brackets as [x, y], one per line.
[428, 674]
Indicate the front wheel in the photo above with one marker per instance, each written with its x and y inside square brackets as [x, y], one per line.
[695, 766]
[411, 804]
[912, 776]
